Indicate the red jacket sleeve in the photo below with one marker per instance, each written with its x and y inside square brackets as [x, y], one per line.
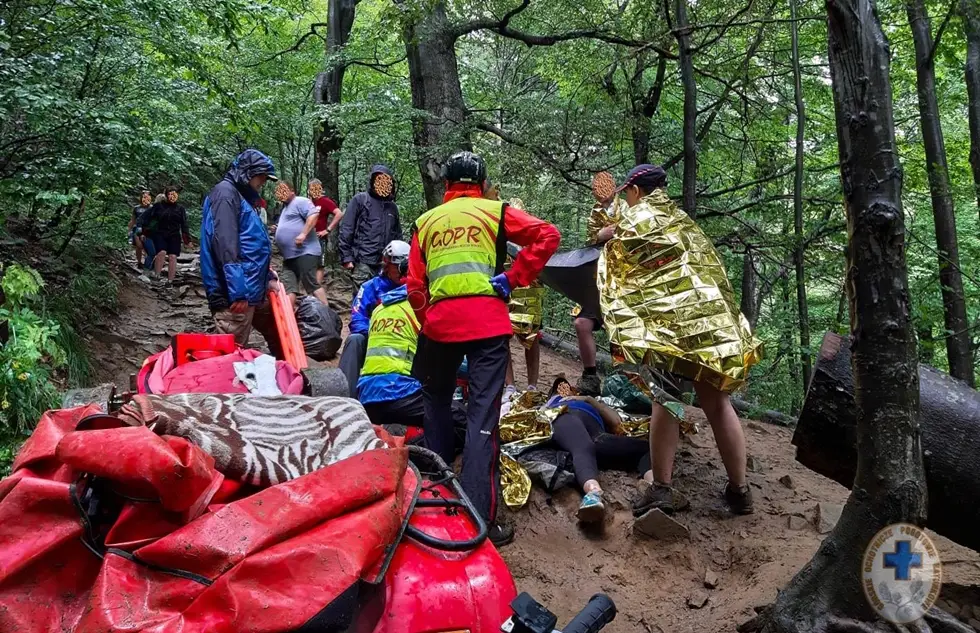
[418, 288]
[539, 240]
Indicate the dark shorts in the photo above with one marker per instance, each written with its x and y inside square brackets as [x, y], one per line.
[168, 243]
[300, 272]
[595, 318]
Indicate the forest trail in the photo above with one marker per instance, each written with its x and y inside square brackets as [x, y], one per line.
[658, 586]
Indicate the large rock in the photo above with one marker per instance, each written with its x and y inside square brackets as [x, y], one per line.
[828, 514]
[658, 525]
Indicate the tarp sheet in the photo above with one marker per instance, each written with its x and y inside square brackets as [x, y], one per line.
[119, 529]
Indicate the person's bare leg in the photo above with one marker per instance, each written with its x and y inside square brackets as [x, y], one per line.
[292, 300]
[591, 486]
[509, 375]
[664, 436]
[533, 358]
[319, 277]
[138, 247]
[321, 294]
[717, 407]
[158, 262]
[586, 341]
[172, 268]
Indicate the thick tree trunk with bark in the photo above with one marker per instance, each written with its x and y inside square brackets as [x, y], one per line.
[686, 61]
[949, 415]
[801, 303]
[434, 78]
[971, 24]
[958, 344]
[889, 487]
[329, 91]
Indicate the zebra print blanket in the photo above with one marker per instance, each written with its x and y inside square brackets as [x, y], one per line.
[256, 440]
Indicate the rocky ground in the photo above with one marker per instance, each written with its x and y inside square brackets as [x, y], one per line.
[707, 580]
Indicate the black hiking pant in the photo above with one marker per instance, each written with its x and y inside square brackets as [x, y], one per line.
[352, 360]
[436, 369]
[581, 435]
[407, 411]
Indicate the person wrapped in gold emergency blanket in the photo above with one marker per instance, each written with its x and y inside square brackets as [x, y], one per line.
[667, 303]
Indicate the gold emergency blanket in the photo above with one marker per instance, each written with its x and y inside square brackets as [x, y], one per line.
[526, 424]
[601, 217]
[526, 311]
[667, 301]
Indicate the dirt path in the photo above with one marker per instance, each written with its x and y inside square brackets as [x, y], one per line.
[552, 558]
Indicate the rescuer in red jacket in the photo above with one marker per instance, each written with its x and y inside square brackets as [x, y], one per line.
[459, 290]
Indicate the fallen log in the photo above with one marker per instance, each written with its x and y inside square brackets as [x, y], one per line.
[949, 417]
[604, 360]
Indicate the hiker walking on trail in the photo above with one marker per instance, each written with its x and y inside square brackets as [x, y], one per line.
[658, 254]
[169, 222]
[326, 225]
[459, 290]
[602, 222]
[141, 244]
[298, 243]
[387, 389]
[370, 222]
[394, 266]
[236, 254]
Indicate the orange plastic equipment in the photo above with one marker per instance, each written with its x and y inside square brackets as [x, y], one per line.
[190, 347]
[289, 338]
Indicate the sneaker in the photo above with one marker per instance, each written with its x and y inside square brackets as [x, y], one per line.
[500, 534]
[144, 279]
[656, 496]
[739, 499]
[591, 509]
[589, 385]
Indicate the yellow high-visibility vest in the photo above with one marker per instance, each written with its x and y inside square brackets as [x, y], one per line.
[459, 243]
[392, 341]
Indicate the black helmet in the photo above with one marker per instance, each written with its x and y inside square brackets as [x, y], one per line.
[465, 167]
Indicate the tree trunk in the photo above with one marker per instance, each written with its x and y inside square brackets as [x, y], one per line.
[958, 344]
[949, 416]
[971, 24]
[643, 111]
[750, 287]
[329, 91]
[683, 34]
[434, 77]
[802, 308]
[786, 346]
[827, 594]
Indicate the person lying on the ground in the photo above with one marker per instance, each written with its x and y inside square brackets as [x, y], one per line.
[236, 254]
[394, 260]
[169, 221]
[655, 245]
[593, 433]
[603, 216]
[386, 388]
[298, 243]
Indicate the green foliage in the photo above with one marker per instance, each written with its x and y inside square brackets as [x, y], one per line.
[30, 356]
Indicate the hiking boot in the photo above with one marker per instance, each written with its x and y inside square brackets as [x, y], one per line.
[589, 385]
[144, 279]
[591, 509]
[739, 499]
[656, 496]
[501, 534]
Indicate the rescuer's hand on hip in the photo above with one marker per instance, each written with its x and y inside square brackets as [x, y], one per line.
[501, 285]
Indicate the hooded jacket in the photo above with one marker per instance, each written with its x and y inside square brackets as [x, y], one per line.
[235, 250]
[369, 224]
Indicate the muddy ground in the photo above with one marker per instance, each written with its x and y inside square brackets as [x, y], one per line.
[657, 585]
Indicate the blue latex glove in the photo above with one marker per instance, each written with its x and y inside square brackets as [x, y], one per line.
[501, 285]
